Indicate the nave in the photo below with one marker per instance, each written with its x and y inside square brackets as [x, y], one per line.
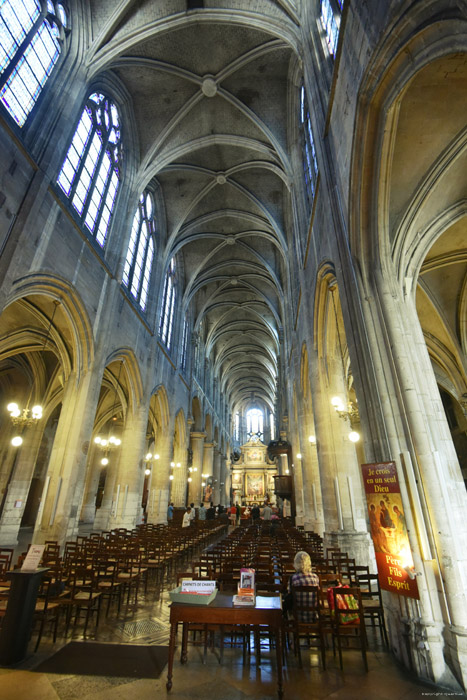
[146, 622]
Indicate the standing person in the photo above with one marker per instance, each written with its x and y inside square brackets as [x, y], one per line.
[255, 513]
[170, 512]
[186, 522]
[202, 512]
[192, 513]
[267, 512]
[211, 512]
[232, 514]
[237, 513]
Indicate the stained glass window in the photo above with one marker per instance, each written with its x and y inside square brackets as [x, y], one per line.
[168, 306]
[30, 44]
[184, 344]
[254, 423]
[90, 174]
[310, 162]
[140, 253]
[329, 20]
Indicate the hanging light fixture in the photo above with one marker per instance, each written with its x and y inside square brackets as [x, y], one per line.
[23, 417]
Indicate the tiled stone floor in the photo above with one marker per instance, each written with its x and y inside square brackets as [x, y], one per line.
[231, 680]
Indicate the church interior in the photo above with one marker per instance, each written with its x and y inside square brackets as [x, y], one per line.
[233, 269]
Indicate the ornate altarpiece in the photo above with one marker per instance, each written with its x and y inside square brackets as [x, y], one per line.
[253, 474]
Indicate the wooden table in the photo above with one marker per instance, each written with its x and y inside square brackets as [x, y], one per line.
[220, 611]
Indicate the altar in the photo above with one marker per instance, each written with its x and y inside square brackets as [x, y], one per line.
[253, 474]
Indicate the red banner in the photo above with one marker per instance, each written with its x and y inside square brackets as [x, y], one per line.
[388, 529]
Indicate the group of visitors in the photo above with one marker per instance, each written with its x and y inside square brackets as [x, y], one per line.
[236, 512]
[204, 513]
[239, 512]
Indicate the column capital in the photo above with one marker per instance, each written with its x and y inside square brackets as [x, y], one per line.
[198, 436]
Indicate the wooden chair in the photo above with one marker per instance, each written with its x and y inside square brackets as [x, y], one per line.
[307, 619]
[47, 608]
[107, 582]
[344, 629]
[372, 601]
[82, 596]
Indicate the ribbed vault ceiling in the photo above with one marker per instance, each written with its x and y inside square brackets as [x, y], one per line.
[209, 92]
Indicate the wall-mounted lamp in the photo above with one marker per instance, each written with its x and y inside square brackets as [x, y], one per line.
[312, 439]
[349, 412]
[299, 456]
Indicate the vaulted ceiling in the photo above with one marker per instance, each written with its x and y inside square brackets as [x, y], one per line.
[209, 90]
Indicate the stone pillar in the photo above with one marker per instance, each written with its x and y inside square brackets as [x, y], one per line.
[21, 467]
[216, 473]
[88, 510]
[415, 423]
[128, 487]
[344, 507]
[63, 491]
[223, 481]
[197, 447]
[208, 465]
[160, 482]
[314, 517]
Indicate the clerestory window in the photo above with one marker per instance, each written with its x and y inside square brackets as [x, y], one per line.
[31, 37]
[168, 306]
[140, 253]
[183, 356]
[330, 20]
[90, 174]
[254, 423]
[309, 160]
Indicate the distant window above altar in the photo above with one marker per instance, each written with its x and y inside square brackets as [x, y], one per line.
[254, 423]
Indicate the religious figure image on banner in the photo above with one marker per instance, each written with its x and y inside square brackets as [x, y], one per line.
[388, 529]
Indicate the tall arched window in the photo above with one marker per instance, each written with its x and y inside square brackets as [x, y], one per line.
[30, 42]
[310, 162]
[183, 355]
[330, 13]
[254, 423]
[168, 306]
[140, 253]
[90, 175]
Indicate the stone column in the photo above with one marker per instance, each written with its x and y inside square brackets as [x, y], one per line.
[63, 491]
[223, 480]
[21, 467]
[160, 481]
[344, 507]
[416, 424]
[128, 486]
[208, 464]
[216, 473]
[88, 510]
[197, 447]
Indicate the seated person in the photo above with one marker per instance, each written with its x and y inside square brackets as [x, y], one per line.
[303, 577]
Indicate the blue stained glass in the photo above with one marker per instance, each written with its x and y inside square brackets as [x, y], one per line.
[23, 87]
[91, 166]
[17, 18]
[330, 27]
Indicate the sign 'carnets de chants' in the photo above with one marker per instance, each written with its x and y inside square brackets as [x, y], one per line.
[388, 528]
